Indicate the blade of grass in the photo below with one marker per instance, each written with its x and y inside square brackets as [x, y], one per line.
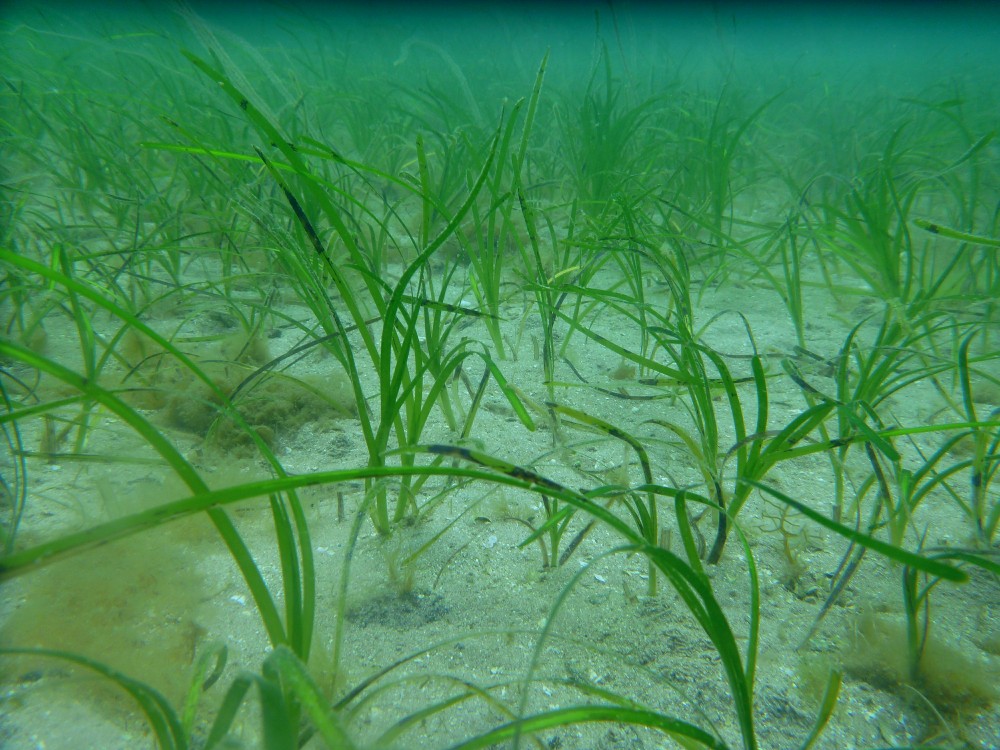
[918, 562]
[166, 725]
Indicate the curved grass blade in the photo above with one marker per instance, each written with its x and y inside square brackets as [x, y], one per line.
[166, 725]
[296, 680]
[573, 715]
[925, 564]
[691, 585]
[827, 705]
[26, 560]
[208, 670]
[237, 547]
[954, 234]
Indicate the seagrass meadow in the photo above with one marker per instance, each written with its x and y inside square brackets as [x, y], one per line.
[499, 376]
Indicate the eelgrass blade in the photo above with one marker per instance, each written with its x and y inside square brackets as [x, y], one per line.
[980, 468]
[87, 339]
[973, 558]
[646, 518]
[452, 365]
[954, 234]
[166, 725]
[184, 470]
[650, 364]
[826, 707]
[303, 596]
[739, 429]
[207, 671]
[919, 562]
[610, 430]
[692, 587]
[697, 594]
[14, 490]
[346, 293]
[574, 715]
[291, 572]
[509, 392]
[26, 560]
[273, 136]
[687, 538]
[298, 684]
[343, 584]
[225, 715]
[399, 335]
[417, 718]
[278, 713]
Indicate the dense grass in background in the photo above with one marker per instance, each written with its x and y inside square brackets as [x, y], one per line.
[419, 224]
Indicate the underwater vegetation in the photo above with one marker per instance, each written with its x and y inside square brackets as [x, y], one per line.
[388, 394]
